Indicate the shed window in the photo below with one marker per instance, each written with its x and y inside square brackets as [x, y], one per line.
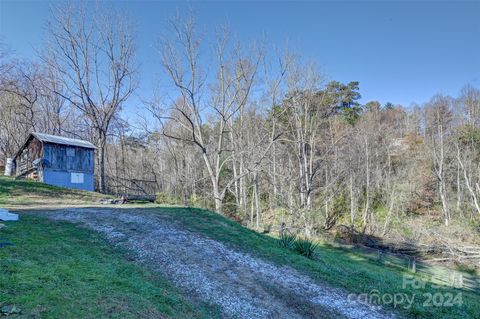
[76, 178]
[70, 152]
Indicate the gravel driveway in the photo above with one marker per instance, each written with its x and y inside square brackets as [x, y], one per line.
[243, 286]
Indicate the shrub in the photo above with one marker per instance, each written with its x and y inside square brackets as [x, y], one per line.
[197, 201]
[287, 240]
[230, 208]
[305, 247]
[164, 198]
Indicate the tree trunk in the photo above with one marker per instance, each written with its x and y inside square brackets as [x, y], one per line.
[352, 202]
[468, 183]
[257, 204]
[101, 144]
[459, 190]
[367, 194]
[218, 204]
[217, 196]
[443, 198]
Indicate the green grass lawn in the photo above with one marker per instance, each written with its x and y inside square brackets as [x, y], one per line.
[24, 193]
[58, 270]
[341, 268]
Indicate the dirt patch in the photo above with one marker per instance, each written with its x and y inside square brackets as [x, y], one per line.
[242, 285]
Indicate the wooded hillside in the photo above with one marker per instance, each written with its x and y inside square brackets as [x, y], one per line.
[256, 134]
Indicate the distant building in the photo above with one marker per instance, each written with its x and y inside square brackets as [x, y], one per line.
[56, 160]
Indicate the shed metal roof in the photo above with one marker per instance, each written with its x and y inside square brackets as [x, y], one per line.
[62, 140]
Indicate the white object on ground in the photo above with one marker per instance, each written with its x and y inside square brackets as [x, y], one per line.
[9, 167]
[5, 215]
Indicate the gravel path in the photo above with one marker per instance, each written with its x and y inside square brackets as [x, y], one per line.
[242, 285]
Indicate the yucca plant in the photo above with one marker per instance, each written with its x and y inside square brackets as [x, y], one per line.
[287, 240]
[305, 247]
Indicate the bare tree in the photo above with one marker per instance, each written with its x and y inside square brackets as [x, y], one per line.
[438, 118]
[222, 100]
[93, 54]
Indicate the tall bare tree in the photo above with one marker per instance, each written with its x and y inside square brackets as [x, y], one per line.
[221, 97]
[93, 53]
[438, 117]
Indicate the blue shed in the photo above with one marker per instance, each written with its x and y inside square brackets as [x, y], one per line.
[57, 160]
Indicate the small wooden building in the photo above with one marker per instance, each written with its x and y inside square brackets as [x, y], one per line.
[57, 160]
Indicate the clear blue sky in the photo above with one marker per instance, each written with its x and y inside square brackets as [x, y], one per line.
[401, 52]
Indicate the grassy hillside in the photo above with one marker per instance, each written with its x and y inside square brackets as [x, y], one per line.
[60, 270]
[349, 269]
[21, 193]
